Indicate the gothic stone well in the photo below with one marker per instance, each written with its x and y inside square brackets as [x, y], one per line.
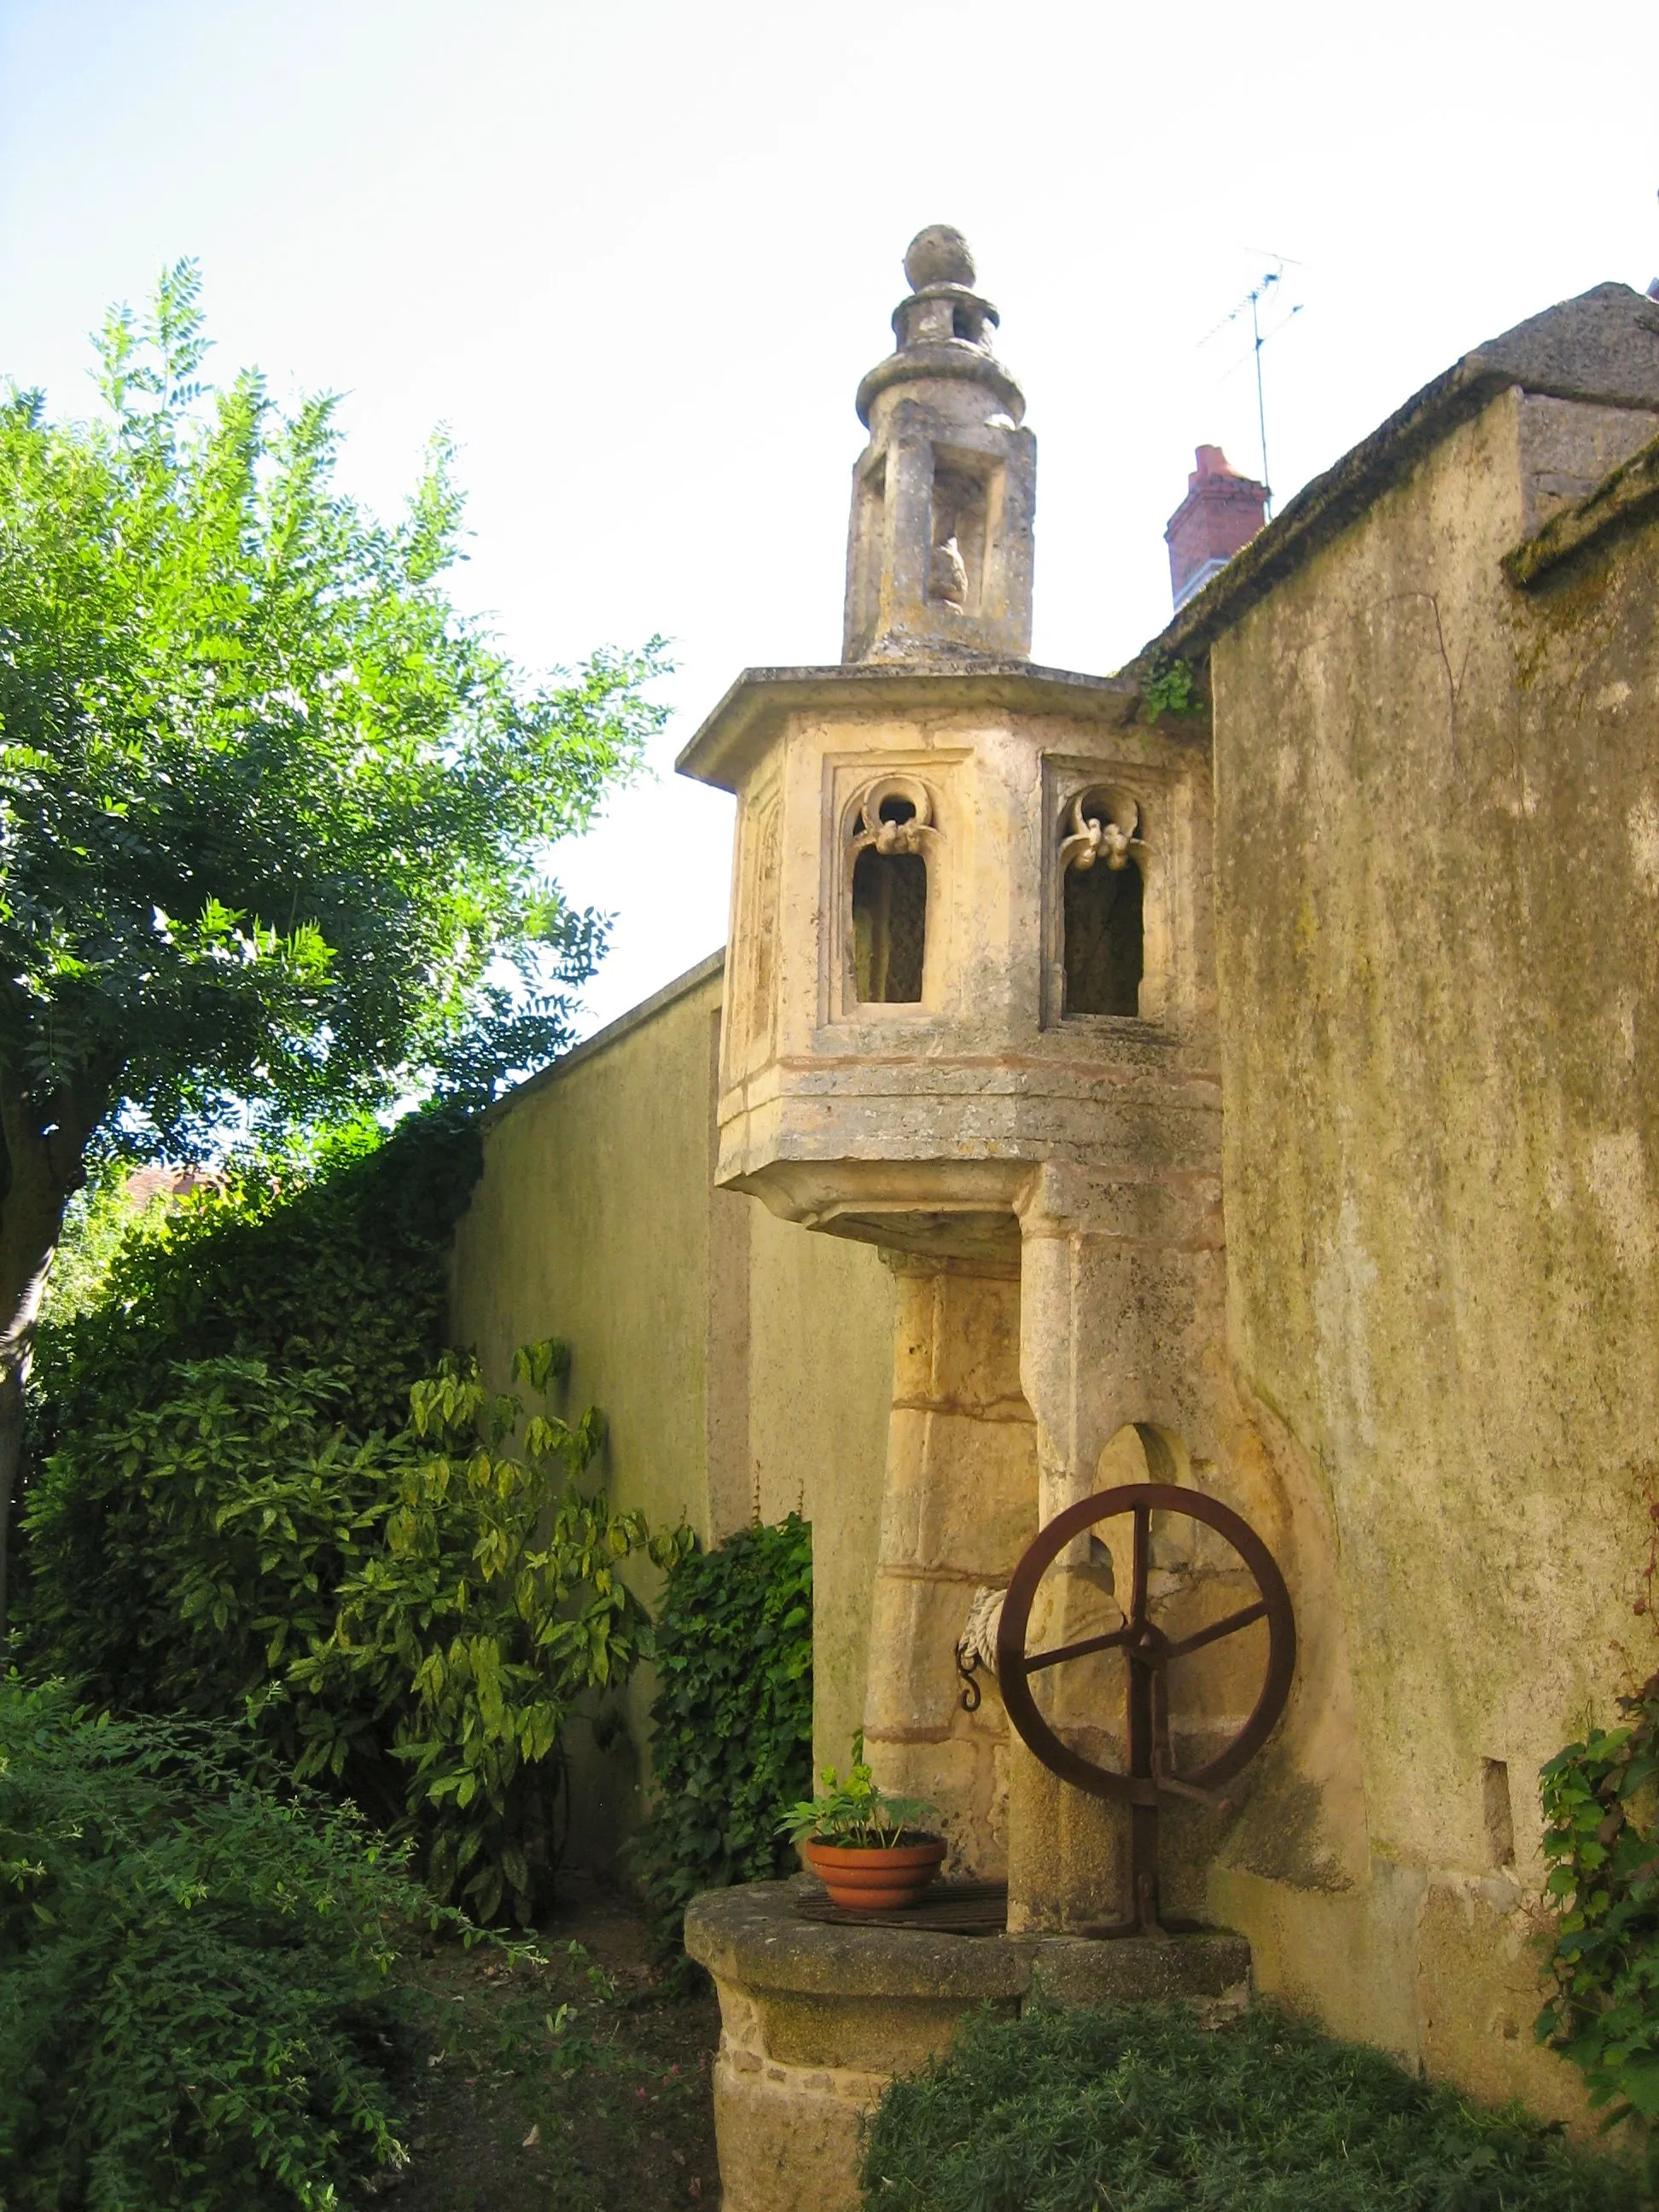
[970, 1019]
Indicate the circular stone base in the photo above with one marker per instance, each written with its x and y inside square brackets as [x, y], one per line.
[815, 2020]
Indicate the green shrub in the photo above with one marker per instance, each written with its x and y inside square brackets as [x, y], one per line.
[732, 1740]
[1140, 2110]
[196, 2001]
[338, 1262]
[1602, 1831]
[184, 1551]
[330, 1264]
[240, 1509]
[495, 1602]
[412, 1617]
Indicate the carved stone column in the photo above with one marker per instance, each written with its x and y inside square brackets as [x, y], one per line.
[961, 1503]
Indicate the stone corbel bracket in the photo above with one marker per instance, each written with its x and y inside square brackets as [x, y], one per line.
[910, 835]
[1103, 836]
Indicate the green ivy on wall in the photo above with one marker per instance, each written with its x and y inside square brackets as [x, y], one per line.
[281, 1321]
[1601, 1833]
[342, 1263]
[733, 1743]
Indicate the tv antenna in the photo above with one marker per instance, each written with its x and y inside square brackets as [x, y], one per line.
[1259, 295]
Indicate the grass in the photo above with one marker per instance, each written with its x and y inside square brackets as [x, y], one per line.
[582, 2084]
[1139, 2110]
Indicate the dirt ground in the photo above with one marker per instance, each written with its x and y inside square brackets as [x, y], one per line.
[579, 2086]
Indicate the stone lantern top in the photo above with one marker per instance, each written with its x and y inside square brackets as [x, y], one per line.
[938, 566]
[938, 255]
[943, 328]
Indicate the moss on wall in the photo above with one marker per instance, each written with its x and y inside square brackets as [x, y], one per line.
[1437, 833]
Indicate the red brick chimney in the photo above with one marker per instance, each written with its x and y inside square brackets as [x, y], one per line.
[1221, 513]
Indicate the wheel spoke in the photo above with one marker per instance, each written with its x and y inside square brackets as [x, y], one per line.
[1162, 1752]
[1228, 1626]
[1143, 1548]
[1080, 1650]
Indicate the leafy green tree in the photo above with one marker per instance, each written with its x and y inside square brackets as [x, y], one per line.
[273, 816]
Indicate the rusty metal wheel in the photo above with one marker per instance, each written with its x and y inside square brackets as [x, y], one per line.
[1148, 1650]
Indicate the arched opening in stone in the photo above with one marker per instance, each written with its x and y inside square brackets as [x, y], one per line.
[1105, 949]
[962, 505]
[889, 918]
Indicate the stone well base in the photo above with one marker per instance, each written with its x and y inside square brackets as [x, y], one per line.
[815, 2019]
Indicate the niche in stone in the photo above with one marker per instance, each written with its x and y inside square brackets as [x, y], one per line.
[893, 827]
[961, 515]
[1103, 896]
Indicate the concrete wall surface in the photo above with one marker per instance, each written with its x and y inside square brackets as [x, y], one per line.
[745, 1370]
[1437, 839]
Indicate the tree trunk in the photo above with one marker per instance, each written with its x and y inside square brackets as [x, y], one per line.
[46, 1142]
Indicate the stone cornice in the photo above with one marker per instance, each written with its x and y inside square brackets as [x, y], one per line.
[729, 741]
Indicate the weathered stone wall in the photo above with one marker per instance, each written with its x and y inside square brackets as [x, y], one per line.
[743, 1367]
[1437, 839]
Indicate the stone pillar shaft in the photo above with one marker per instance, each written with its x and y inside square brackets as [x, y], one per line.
[1121, 1314]
[960, 1505]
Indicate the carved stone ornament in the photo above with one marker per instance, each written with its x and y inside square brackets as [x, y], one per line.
[873, 827]
[1101, 836]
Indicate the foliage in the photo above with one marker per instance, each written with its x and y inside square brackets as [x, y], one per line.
[412, 1617]
[1601, 1833]
[240, 1507]
[1168, 685]
[274, 816]
[854, 1812]
[1139, 2109]
[185, 1553]
[274, 813]
[108, 1214]
[196, 1996]
[328, 1276]
[494, 1604]
[732, 1725]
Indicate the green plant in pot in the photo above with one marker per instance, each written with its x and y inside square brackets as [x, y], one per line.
[873, 1853]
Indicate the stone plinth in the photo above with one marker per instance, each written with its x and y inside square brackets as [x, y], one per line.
[815, 2020]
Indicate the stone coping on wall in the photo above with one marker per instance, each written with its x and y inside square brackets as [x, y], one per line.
[611, 1034]
[752, 1938]
[1625, 500]
[1601, 348]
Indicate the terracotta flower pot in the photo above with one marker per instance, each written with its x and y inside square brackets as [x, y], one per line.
[871, 1878]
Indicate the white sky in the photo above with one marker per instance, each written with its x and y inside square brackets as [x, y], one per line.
[637, 254]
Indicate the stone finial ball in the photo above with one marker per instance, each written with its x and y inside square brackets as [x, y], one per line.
[938, 255]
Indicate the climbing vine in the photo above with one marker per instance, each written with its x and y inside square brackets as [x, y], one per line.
[733, 1743]
[1601, 1836]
